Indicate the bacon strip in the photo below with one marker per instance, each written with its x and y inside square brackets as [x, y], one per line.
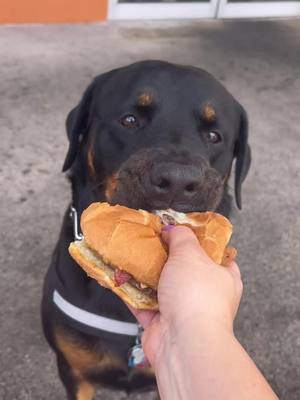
[121, 277]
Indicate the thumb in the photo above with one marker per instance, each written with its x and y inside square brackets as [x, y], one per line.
[181, 240]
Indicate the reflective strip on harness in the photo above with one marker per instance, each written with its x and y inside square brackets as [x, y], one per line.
[94, 320]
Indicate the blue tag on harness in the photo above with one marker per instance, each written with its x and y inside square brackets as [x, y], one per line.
[136, 355]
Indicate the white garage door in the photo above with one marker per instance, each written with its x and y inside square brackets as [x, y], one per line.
[176, 9]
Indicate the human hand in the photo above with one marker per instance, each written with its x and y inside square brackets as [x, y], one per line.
[190, 341]
[191, 288]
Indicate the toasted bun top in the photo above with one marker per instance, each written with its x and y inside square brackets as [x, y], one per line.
[212, 230]
[131, 239]
[127, 239]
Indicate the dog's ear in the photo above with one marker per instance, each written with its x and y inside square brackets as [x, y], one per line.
[242, 153]
[77, 124]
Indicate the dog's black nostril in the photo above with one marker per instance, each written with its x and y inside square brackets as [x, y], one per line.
[163, 184]
[190, 188]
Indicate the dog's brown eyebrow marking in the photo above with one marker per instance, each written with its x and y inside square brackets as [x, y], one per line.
[145, 99]
[208, 113]
[111, 185]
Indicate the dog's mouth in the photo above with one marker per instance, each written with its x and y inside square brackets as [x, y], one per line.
[143, 183]
[122, 199]
[130, 193]
[181, 208]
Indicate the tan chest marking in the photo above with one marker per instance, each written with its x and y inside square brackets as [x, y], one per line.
[82, 359]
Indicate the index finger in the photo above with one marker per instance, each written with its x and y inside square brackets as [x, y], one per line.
[144, 317]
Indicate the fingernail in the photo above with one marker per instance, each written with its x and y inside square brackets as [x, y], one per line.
[167, 228]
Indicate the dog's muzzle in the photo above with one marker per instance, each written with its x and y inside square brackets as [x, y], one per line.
[155, 179]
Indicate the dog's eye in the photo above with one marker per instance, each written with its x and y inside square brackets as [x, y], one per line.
[129, 121]
[213, 137]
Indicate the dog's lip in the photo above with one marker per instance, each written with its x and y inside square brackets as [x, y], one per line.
[157, 206]
[179, 208]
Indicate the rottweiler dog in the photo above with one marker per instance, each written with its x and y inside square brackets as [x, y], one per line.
[151, 135]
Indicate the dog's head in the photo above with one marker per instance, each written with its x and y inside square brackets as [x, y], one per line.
[155, 135]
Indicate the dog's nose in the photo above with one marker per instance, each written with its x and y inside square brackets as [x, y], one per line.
[173, 182]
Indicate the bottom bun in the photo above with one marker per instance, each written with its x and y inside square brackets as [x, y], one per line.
[92, 264]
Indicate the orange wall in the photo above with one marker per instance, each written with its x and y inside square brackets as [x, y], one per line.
[51, 11]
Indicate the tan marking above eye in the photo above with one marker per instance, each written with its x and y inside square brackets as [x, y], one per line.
[208, 113]
[145, 99]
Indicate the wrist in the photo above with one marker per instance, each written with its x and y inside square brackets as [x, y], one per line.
[199, 324]
[181, 350]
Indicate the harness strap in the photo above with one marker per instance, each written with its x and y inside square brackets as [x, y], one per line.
[94, 320]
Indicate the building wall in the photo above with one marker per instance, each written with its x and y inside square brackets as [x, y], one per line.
[52, 11]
